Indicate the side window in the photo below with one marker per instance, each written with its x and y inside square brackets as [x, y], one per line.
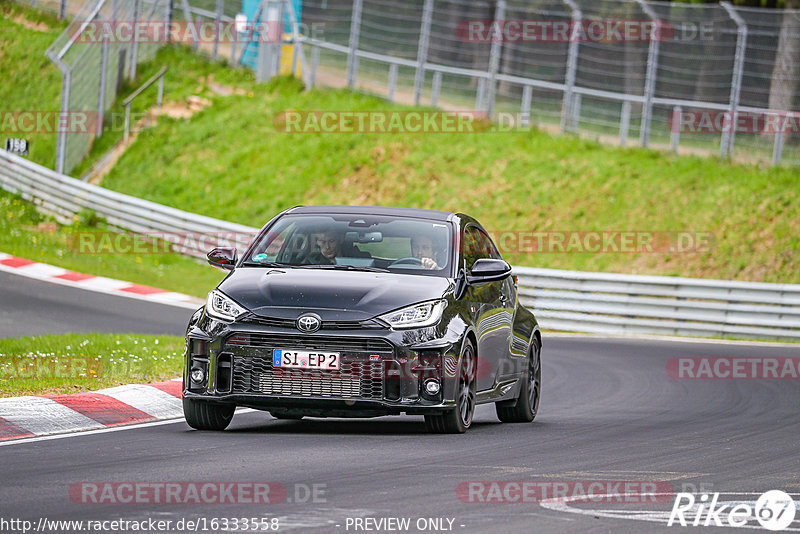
[488, 248]
[472, 245]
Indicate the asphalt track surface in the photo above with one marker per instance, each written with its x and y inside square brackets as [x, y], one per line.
[32, 307]
[609, 412]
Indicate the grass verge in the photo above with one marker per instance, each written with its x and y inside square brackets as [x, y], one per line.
[27, 233]
[30, 81]
[229, 161]
[72, 363]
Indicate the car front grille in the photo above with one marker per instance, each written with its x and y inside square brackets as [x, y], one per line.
[360, 374]
[326, 325]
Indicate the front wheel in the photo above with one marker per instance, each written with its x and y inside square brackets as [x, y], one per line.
[524, 409]
[458, 420]
[202, 415]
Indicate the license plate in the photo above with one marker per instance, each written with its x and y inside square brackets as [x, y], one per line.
[300, 359]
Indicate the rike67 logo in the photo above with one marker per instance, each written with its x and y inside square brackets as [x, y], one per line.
[774, 510]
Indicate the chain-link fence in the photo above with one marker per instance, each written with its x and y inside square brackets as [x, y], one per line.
[93, 65]
[697, 78]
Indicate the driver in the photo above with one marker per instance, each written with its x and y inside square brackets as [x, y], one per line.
[330, 246]
[422, 249]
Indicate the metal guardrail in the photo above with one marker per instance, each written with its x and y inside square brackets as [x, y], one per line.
[64, 196]
[562, 300]
[634, 304]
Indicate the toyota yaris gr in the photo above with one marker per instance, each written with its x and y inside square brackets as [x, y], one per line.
[340, 311]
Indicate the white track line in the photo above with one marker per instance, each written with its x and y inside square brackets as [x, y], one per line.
[105, 430]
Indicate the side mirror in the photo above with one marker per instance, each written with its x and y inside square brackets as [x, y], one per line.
[488, 270]
[224, 258]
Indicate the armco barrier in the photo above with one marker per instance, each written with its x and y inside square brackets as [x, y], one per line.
[63, 197]
[562, 300]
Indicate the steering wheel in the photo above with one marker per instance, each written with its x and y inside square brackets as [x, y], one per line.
[409, 259]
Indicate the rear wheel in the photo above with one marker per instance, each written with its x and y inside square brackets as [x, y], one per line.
[202, 415]
[458, 420]
[524, 409]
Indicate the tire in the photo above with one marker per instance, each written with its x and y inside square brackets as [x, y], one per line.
[203, 415]
[524, 409]
[458, 420]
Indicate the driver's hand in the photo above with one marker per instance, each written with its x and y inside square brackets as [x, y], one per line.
[428, 263]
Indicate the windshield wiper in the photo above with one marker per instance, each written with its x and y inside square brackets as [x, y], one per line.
[347, 268]
[272, 264]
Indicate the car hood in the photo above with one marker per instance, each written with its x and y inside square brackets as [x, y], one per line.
[334, 295]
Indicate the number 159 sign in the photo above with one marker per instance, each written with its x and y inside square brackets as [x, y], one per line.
[17, 146]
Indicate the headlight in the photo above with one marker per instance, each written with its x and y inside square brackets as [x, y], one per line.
[219, 306]
[416, 316]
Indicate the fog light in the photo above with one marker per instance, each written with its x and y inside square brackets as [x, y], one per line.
[198, 375]
[432, 386]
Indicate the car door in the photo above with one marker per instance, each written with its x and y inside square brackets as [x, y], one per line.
[488, 304]
[504, 317]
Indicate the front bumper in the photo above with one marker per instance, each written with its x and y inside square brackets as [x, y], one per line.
[382, 371]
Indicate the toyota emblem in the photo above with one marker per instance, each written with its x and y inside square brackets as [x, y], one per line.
[309, 323]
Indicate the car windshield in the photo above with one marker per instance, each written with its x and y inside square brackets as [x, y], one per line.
[356, 242]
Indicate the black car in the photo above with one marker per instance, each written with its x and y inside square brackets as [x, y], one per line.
[341, 311]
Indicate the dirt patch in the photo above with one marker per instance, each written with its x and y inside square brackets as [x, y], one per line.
[175, 110]
[222, 90]
[180, 110]
[44, 227]
[36, 26]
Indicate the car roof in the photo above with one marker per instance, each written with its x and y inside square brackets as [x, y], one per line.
[434, 215]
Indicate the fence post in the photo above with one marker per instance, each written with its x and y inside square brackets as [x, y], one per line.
[314, 64]
[392, 81]
[127, 123]
[777, 149]
[297, 49]
[675, 135]
[137, 9]
[62, 9]
[187, 14]
[218, 22]
[480, 94]
[101, 97]
[436, 89]
[494, 58]
[160, 99]
[169, 16]
[575, 112]
[652, 72]
[61, 145]
[572, 63]
[525, 115]
[625, 123]
[268, 55]
[422, 50]
[728, 137]
[355, 36]
[277, 46]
